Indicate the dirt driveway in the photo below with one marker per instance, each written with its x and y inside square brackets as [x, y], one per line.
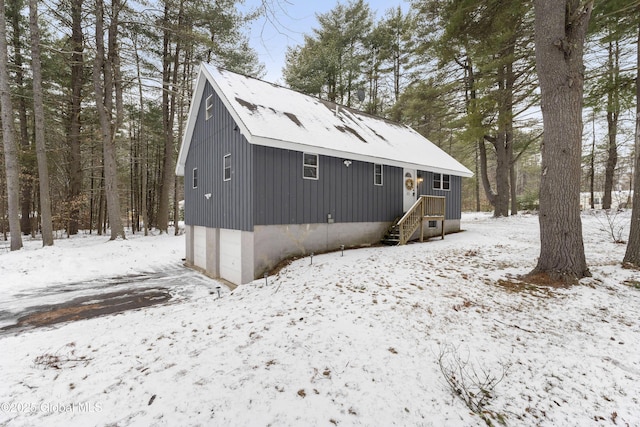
[99, 297]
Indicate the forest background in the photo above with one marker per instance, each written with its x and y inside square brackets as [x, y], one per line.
[116, 80]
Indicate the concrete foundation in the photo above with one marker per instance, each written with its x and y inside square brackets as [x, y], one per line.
[273, 243]
[243, 256]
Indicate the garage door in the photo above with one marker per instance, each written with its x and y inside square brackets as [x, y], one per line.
[200, 247]
[231, 255]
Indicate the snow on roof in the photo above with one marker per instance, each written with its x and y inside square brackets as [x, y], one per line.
[274, 116]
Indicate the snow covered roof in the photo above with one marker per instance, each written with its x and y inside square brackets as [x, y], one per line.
[274, 116]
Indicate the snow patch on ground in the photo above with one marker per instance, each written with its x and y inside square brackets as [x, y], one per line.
[347, 340]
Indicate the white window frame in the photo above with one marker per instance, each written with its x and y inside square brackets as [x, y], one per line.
[376, 174]
[194, 178]
[310, 166]
[209, 107]
[447, 181]
[226, 167]
[441, 181]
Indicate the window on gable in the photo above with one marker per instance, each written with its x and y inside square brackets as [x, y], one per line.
[194, 177]
[377, 174]
[441, 181]
[209, 107]
[309, 166]
[227, 167]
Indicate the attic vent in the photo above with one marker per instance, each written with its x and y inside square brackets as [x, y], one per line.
[209, 107]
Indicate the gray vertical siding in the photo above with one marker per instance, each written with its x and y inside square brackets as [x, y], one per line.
[230, 205]
[282, 196]
[267, 188]
[454, 195]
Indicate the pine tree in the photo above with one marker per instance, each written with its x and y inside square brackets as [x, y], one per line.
[330, 62]
[560, 32]
[38, 112]
[8, 138]
[632, 254]
[610, 89]
[485, 48]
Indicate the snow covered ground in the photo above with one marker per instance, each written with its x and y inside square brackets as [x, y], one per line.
[369, 338]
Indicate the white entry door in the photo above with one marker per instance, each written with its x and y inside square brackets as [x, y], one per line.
[409, 183]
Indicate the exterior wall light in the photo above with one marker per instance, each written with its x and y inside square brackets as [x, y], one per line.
[207, 196]
[347, 163]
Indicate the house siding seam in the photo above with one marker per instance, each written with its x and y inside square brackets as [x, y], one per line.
[230, 205]
[282, 196]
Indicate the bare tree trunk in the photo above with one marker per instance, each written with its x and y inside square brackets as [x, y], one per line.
[77, 77]
[184, 91]
[169, 80]
[509, 81]
[613, 112]
[513, 185]
[141, 158]
[477, 180]
[100, 212]
[592, 164]
[26, 172]
[104, 106]
[3, 205]
[92, 195]
[38, 113]
[560, 31]
[484, 176]
[632, 255]
[502, 175]
[8, 139]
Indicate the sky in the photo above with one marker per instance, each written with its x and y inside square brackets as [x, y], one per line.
[290, 20]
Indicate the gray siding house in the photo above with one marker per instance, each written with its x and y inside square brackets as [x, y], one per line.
[271, 173]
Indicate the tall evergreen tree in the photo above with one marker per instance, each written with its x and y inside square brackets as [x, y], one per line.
[27, 177]
[38, 113]
[330, 62]
[560, 32]
[8, 138]
[486, 48]
[610, 89]
[76, 63]
[632, 254]
[105, 81]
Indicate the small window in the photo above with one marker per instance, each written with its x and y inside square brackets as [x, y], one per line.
[227, 167]
[209, 107]
[310, 166]
[445, 182]
[194, 177]
[441, 181]
[377, 174]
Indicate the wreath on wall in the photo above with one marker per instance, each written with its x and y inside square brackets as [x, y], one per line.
[408, 184]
